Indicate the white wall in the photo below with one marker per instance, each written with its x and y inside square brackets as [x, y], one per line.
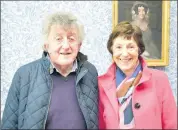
[21, 38]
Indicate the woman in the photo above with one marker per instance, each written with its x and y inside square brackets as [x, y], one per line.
[140, 17]
[133, 96]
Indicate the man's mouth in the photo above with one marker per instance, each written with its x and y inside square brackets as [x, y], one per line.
[65, 53]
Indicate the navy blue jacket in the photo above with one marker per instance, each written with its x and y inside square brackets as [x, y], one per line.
[28, 99]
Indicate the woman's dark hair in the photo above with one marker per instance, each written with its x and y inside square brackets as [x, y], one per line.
[127, 30]
[140, 5]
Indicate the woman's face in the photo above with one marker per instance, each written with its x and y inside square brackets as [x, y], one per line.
[141, 12]
[125, 54]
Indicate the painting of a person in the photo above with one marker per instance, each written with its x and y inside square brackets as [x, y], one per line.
[140, 17]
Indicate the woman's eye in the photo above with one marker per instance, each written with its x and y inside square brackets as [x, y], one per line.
[118, 47]
[131, 48]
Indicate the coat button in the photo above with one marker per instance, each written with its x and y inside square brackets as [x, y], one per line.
[137, 105]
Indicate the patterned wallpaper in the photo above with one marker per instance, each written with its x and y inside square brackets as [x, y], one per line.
[21, 39]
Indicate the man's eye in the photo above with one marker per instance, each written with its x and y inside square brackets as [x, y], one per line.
[58, 39]
[71, 39]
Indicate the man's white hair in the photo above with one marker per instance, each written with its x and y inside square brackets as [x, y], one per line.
[64, 19]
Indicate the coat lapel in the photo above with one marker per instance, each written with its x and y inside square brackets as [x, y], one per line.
[109, 86]
[111, 94]
[109, 82]
[145, 73]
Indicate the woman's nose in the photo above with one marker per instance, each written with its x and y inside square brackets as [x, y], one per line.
[125, 52]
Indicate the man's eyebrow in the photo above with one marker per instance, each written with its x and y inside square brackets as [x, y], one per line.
[72, 34]
[58, 34]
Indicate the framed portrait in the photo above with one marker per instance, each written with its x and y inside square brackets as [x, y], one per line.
[153, 19]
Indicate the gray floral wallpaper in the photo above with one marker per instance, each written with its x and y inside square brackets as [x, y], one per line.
[21, 39]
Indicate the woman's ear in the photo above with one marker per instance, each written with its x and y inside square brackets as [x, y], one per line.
[139, 52]
[111, 49]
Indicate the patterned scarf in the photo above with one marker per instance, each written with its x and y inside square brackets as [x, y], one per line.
[125, 86]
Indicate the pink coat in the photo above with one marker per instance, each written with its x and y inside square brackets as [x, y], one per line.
[153, 103]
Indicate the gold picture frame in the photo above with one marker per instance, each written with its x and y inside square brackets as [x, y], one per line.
[164, 33]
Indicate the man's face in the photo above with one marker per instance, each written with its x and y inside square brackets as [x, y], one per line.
[63, 44]
[141, 12]
[125, 53]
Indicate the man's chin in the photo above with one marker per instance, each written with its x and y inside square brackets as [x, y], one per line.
[65, 62]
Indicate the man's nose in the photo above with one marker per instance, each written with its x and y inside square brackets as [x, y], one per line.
[65, 44]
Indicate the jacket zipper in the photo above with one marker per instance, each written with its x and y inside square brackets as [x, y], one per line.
[77, 93]
[48, 104]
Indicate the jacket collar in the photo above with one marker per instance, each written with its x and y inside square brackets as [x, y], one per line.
[81, 58]
[52, 67]
[108, 82]
[111, 72]
[146, 74]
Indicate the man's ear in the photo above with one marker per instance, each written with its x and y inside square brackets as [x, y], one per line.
[80, 44]
[46, 46]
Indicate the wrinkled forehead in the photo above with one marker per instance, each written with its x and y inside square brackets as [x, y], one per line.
[125, 37]
[124, 40]
[58, 28]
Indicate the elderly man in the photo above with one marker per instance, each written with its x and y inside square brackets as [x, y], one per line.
[58, 91]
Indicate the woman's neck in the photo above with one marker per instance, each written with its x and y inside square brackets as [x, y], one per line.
[130, 72]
